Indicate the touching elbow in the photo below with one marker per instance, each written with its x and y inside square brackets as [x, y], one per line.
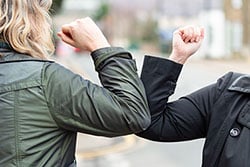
[145, 124]
[142, 123]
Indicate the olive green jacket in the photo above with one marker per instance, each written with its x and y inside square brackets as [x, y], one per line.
[43, 105]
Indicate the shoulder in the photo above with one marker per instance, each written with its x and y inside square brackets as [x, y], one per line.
[55, 69]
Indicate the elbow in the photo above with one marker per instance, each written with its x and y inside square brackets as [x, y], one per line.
[133, 126]
[140, 120]
[140, 124]
[145, 123]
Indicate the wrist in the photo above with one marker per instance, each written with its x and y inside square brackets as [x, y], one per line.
[99, 45]
[177, 58]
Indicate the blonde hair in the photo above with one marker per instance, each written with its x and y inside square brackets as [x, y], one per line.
[27, 27]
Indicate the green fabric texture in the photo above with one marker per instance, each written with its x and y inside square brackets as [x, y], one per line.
[43, 105]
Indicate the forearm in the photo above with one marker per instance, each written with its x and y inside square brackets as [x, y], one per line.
[119, 107]
[159, 77]
[177, 59]
[118, 74]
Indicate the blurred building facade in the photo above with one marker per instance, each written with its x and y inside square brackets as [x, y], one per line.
[237, 13]
[226, 21]
[246, 27]
[73, 9]
[171, 14]
[212, 18]
[234, 26]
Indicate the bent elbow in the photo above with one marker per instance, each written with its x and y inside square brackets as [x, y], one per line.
[145, 124]
[141, 124]
[132, 127]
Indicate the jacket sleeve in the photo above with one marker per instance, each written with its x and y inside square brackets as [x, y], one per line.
[118, 107]
[179, 120]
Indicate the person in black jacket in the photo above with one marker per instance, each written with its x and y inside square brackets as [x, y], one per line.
[220, 112]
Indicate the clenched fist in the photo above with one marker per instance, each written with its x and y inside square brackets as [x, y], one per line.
[186, 41]
[83, 34]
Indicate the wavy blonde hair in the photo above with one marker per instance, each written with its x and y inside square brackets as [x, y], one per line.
[27, 26]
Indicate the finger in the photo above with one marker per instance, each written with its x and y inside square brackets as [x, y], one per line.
[193, 34]
[201, 34]
[183, 33]
[65, 38]
[197, 34]
[189, 34]
[178, 35]
[67, 30]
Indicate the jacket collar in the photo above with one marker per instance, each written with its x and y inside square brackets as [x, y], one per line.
[4, 45]
[8, 55]
[241, 84]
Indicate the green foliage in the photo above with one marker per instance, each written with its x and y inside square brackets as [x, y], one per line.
[101, 12]
[149, 31]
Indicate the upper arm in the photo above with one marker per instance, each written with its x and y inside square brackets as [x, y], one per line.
[183, 119]
[79, 105]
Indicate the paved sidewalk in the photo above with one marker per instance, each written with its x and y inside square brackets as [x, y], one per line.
[89, 147]
[93, 149]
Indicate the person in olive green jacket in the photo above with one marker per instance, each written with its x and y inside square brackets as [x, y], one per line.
[43, 105]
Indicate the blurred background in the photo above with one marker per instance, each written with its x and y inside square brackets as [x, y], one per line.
[146, 27]
[139, 24]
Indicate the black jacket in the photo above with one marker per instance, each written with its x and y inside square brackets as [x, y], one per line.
[219, 112]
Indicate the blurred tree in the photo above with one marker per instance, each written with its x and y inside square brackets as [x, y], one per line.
[102, 12]
[246, 25]
[102, 16]
[56, 6]
[149, 30]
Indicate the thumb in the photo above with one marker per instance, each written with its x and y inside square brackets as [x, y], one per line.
[178, 37]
